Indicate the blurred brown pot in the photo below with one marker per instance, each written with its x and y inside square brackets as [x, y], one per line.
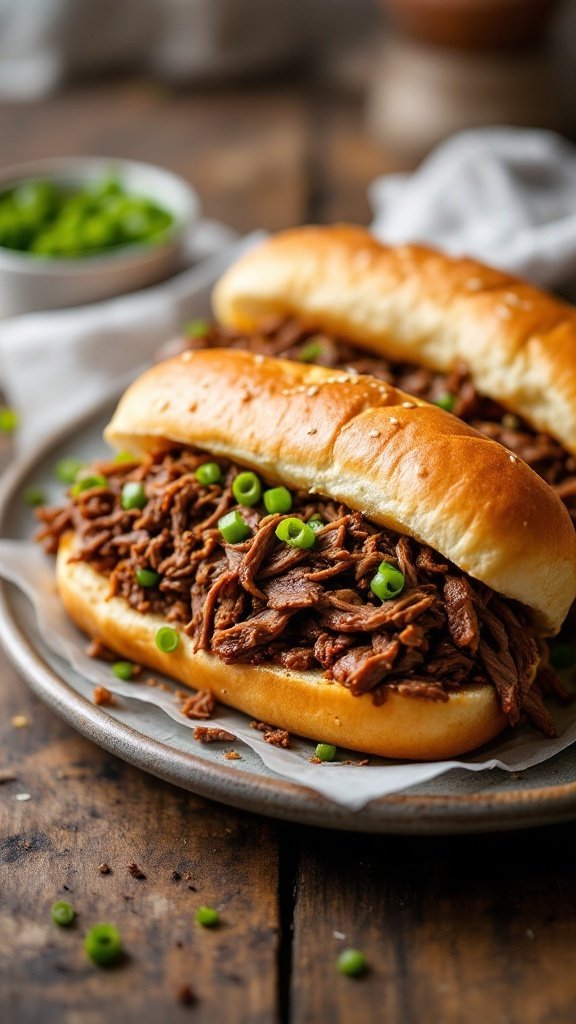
[473, 24]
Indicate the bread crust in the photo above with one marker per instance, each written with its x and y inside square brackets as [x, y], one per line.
[304, 703]
[403, 463]
[412, 303]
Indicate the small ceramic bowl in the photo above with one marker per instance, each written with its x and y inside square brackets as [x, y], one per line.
[30, 283]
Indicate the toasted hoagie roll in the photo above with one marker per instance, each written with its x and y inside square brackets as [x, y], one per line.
[399, 614]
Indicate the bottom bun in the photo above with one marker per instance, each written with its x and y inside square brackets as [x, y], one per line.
[306, 703]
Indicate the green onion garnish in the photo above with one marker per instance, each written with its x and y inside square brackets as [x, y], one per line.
[388, 582]
[146, 578]
[66, 470]
[133, 495]
[34, 497]
[167, 639]
[9, 420]
[325, 752]
[352, 963]
[277, 499]
[123, 670]
[62, 913]
[316, 522]
[310, 351]
[233, 528]
[103, 944]
[208, 473]
[446, 401]
[86, 483]
[296, 533]
[196, 328]
[247, 489]
[125, 457]
[208, 917]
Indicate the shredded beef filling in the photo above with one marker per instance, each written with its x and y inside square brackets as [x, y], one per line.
[290, 340]
[262, 601]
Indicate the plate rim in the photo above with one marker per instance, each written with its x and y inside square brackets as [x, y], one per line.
[399, 813]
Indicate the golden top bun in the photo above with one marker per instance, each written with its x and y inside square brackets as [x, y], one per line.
[414, 304]
[404, 463]
[302, 702]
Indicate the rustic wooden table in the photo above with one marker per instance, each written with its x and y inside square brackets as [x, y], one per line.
[459, 930]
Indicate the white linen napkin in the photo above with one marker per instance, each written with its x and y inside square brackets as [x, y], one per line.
[504, 195]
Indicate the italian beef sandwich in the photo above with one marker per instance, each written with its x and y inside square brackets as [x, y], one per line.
[321, 551]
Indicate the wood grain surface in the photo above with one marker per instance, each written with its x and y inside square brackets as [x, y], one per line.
[475, 930]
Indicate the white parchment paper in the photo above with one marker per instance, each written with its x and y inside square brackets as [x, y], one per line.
[25, 565]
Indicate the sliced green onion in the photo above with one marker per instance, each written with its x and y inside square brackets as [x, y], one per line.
[167, 639]
[208, 917]
[34, 497]
[126, 457]
[66, 470]
[133, 495]
[196, 328]
[62, 913]
[146, 577]
[86, 483]
[296, 533]
[208, 473]
[277, 499]
[562, 656]
[103, 944]
[123, 670]
[9, 420]
[352, 963]
[325, 752]
[388, 582]
[316, 522]
[310, 351]
[247, 489]
[446, 401]
[233, 527]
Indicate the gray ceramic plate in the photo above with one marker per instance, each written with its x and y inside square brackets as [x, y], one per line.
[457, 802]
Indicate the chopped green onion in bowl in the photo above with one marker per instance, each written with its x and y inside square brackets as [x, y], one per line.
[49, 219]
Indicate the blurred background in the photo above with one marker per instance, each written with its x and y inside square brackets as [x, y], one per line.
[278, 111]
